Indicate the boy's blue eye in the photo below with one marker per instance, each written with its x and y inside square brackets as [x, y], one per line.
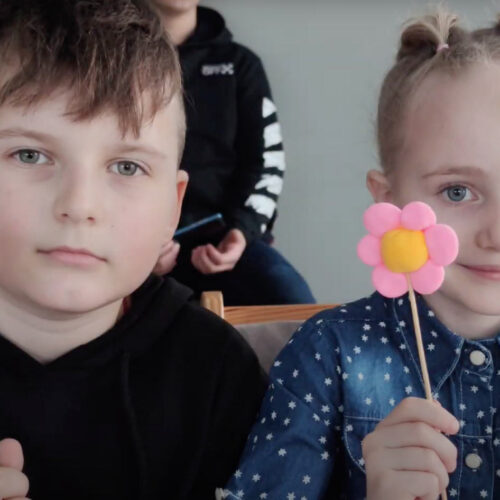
[457, 193]
[127, 168]
[31, 156]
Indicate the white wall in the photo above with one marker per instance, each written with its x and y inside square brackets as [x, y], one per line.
[325, 60]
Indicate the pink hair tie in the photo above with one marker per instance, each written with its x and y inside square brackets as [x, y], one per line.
[441, 47]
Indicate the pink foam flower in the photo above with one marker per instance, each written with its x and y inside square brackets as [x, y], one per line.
[403, 243]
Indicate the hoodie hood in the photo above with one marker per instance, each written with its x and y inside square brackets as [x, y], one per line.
[210, 29]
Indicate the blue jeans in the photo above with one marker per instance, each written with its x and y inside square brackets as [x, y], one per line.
[262, 276]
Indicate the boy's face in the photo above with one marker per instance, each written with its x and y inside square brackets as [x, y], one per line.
[69, 189]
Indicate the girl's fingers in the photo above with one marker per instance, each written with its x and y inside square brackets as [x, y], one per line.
[408, 454]
[421, 410]
[421, 485]
[418, 459]
[412, 435]
[403, 485]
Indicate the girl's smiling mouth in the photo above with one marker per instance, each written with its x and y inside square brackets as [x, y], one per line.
[486, 271]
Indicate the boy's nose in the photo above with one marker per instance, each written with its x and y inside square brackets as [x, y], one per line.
[76, 199]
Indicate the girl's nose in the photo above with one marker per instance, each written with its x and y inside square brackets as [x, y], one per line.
[488, 235]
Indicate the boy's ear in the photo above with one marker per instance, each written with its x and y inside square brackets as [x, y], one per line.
[182, 182]
[379, 186]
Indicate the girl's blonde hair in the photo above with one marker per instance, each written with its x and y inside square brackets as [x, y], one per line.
[432, 43]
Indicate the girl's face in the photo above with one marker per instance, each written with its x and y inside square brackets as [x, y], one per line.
[451, 160]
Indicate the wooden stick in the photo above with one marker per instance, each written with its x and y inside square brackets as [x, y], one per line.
[421, 351]
[420, 344]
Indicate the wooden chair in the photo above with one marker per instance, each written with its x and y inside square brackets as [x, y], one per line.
[266, 328]
[238, 315]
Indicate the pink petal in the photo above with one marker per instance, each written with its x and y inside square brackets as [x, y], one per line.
[428, 278]
[387, 283]
[382, 217]
[417, 216]
[369, 250]
[442, 244]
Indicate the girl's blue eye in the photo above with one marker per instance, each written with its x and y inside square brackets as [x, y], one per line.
[127, 168]
[457, 193]
[31, 156]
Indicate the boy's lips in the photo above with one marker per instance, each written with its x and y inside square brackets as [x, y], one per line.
[72, 256]
[488, 272]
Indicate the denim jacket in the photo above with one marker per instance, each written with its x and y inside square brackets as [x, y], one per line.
[344, 371]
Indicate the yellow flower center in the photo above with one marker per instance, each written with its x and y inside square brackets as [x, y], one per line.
[403, 250]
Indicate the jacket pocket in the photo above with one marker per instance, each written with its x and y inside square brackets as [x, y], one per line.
[355, 430]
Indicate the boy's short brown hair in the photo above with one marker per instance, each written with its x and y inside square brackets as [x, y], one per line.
[108, 53]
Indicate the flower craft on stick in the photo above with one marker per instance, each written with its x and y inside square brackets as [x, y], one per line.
[408, 251]
[407, 248]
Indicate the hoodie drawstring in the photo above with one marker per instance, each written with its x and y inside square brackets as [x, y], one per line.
[132, 423]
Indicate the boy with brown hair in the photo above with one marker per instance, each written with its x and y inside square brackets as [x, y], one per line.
[113, 384]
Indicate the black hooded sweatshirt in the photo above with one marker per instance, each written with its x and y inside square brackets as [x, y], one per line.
[234, 150]
[158, 407]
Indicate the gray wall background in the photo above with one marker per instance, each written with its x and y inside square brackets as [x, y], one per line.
[325, 60]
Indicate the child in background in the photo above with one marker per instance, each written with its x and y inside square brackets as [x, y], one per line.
[113, 385]
[235, 160]
[343, 416]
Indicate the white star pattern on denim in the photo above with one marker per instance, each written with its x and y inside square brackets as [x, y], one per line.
[341, 374]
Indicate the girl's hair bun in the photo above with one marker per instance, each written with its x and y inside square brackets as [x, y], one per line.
[423, 36]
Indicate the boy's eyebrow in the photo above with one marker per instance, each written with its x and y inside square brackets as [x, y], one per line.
[141, 148]
[41, 136]
[470, 171]
[23, 132]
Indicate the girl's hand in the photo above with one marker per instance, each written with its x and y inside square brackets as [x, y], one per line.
[14, 484]
[407, 457]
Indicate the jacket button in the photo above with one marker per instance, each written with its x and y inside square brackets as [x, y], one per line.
[477, 358]
[473, 461]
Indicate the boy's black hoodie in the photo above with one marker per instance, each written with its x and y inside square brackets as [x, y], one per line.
[234, 150]
[158, 407]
